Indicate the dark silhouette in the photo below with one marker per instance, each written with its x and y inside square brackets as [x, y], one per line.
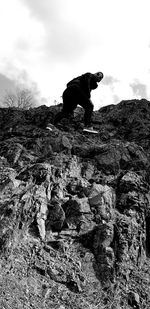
[78, 92]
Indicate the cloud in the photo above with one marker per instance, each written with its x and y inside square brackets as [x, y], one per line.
[21, 80]
[52, 41]
[109, 80]
[65, 44]
[5, 84]
[139, 89]
[64, 41]
[44, 10]
[21, 39]
[9, 86]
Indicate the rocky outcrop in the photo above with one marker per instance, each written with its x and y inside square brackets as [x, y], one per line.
[75, 209]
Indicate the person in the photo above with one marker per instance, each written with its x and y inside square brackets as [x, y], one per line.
[78, 92]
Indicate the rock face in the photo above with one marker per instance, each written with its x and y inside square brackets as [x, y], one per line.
[75, 209]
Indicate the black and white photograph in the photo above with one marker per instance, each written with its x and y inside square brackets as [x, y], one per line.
[74, 154]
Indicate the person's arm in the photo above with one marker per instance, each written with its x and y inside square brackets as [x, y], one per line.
[85, 84]
[87, 79]
[89, 83]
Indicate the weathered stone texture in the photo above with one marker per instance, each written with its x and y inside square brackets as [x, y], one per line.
[75, 208]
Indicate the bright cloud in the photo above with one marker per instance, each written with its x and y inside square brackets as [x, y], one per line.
[47, 43]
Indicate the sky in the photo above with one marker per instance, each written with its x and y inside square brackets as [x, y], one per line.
[46, 43]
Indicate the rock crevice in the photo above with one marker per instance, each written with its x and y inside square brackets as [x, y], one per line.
[75, 208]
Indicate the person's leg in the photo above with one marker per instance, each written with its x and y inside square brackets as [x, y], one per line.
[88, 114]
[69, 104]
[87, 104]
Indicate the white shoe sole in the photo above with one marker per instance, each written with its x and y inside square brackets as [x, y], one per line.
[49, 128]
[90, 131]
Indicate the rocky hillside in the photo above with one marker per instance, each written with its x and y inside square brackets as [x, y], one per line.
[75, 209]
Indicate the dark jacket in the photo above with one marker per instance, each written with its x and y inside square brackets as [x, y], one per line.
[85, 82]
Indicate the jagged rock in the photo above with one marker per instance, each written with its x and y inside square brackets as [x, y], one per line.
[16, 154]
[10, 117]
[66, 143]
[129, 120]
[102, 200]
[130, 231]
[115, 156]
[103, 251]
[133, 182]
[119, 156]
[38, 173]
[55, 216]
[79, 215]
[42, 209]
[75, 208]
[134, 300]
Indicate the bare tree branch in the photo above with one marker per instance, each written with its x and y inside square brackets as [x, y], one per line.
[23, 99]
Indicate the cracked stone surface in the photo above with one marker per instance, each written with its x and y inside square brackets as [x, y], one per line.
[75, 209]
